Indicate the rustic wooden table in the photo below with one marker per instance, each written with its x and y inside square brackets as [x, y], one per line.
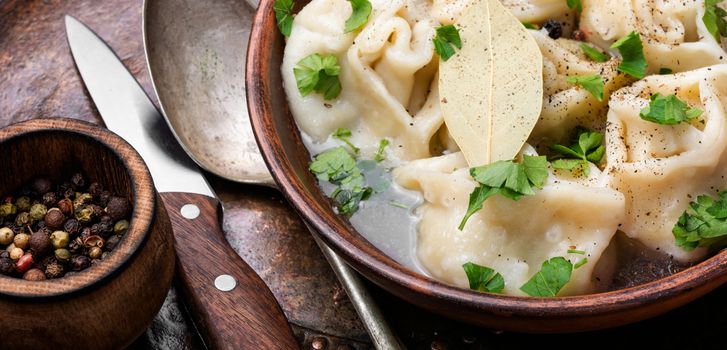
[38, 78]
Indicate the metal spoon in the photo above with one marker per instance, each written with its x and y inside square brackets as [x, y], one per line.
[196, 56]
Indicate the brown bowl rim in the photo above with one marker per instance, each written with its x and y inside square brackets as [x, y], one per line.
[140, 223]
[365, 257]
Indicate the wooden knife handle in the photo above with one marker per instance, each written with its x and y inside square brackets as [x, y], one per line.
[246, 317]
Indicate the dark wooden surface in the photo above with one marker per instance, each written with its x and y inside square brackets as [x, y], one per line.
[37, 78]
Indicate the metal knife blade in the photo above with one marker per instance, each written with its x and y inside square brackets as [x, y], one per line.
[127, 111]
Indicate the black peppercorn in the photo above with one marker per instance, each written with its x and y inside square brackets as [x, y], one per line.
[118, 208]
[72, 226]
[54, 270]
[66, 206]
[578, 35]
[104, 198]
[78, 181]
[49, 199]
[41, 185]
[7, 266]
[95, 189]
[40, 244]
[80, 262]
[98, 211]
[76, 246]
[554, 28]
[4, 254]
[111, 242]
[85, 233]
[54, 219]
[66, 190]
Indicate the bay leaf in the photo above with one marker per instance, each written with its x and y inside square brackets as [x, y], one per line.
[491, 91]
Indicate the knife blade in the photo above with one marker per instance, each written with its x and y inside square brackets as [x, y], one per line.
[230, 305]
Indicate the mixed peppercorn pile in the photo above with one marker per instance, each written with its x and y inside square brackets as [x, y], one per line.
[49, 231]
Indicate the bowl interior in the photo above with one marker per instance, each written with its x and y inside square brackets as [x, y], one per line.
[56, 149]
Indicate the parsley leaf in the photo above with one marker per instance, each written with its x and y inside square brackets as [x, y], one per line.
[665, 71]
[588, 148]
[446, 40]
[632, 52]
[714, 19]
[592, 83]
[553, 275]
[359, 16]
[483, 279]
[320, 74]
[507, 178]
[580, 263]
[593, 54]
[530, 25]
[575, 5]
[703, 224]
[668, 110]
[379, 156]
[339, 167]
[343, 135]
[284, 15]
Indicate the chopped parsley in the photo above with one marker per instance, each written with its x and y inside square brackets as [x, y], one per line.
[379, 156]
[592, 83]
[320, 74]
[668, 110]
[588, 148]
[446, 40]
[483, 279]
[703, 224]
[507, 178]
[714, 19]
[593, 54]
[530, 25]
[632, 53]
[576, 251]
[359, 16]
[284, 15]
[344, 135]
[553, 275]
[580, 263]
[665, 71]
[575, 5]
[339, 167]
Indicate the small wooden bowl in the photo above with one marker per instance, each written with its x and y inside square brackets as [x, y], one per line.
[111, 303]
[288, 160]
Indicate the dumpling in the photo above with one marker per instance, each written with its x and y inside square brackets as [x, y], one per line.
[661, 168]
[565, 105]
[388, 76]
[527, 11]
[564, 213]
[672, 31]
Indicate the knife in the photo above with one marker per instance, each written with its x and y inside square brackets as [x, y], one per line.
[230, 305]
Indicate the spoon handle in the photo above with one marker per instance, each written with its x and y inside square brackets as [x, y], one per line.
[230, 305]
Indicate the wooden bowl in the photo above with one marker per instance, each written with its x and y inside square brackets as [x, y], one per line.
[288, 160]
[111, 303]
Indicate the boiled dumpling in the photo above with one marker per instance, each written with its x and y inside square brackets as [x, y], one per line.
[528, 11]
[672, 31]
[565, 213]
[661, 168]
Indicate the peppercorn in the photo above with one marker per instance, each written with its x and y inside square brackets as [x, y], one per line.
[93, 241]
[62, 255]
[554, 28]
[112, 242]
[6, 236]
[98, 211]
[49, 199]
[34, 275]
[40, 244]
[23, 203]
[65, 190]
[4, 254]
[85, 215]
[66, 206]
[578, 35]
[72, 226]
[76, 246]
[54, 218]
[60, 239]
[121, 227]
[104, 198]
[78, 181]
[95, 252]
[24, 263]
[102, 229]
[54, 270]
[85, 233]
[23, 219]
[38, 211]
[41, 185]
[16, 253]
[95, 189]
[118, 208]
[21, 240]
[81, 199]
[8, 209]
[80, 262]
[7, 266]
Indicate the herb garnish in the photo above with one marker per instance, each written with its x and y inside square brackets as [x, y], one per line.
[530, 25]
[483, 279]
[343, 135]
[359, 16]
[339, 167]
[284, 15]
[592, 83]
[580, 263]
[575, 5]
[379, 156]
[703, 224]
[668, 110]
[446, 40]
[320, 74]
[594, 54]
[665, 71]
[589, 148]
[714, 19]
[632, 53]
[553, 275]
[576, 251]
[507, 178]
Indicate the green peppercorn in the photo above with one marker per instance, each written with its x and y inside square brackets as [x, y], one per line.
[8, 209]
[85, 215]
[120, 227]
[6, 236]
[81, 199]
[23, 219]
[23, 203]
[60, 239]
[62, 255]
[38, 211]
[21, 240]
[95, 252]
